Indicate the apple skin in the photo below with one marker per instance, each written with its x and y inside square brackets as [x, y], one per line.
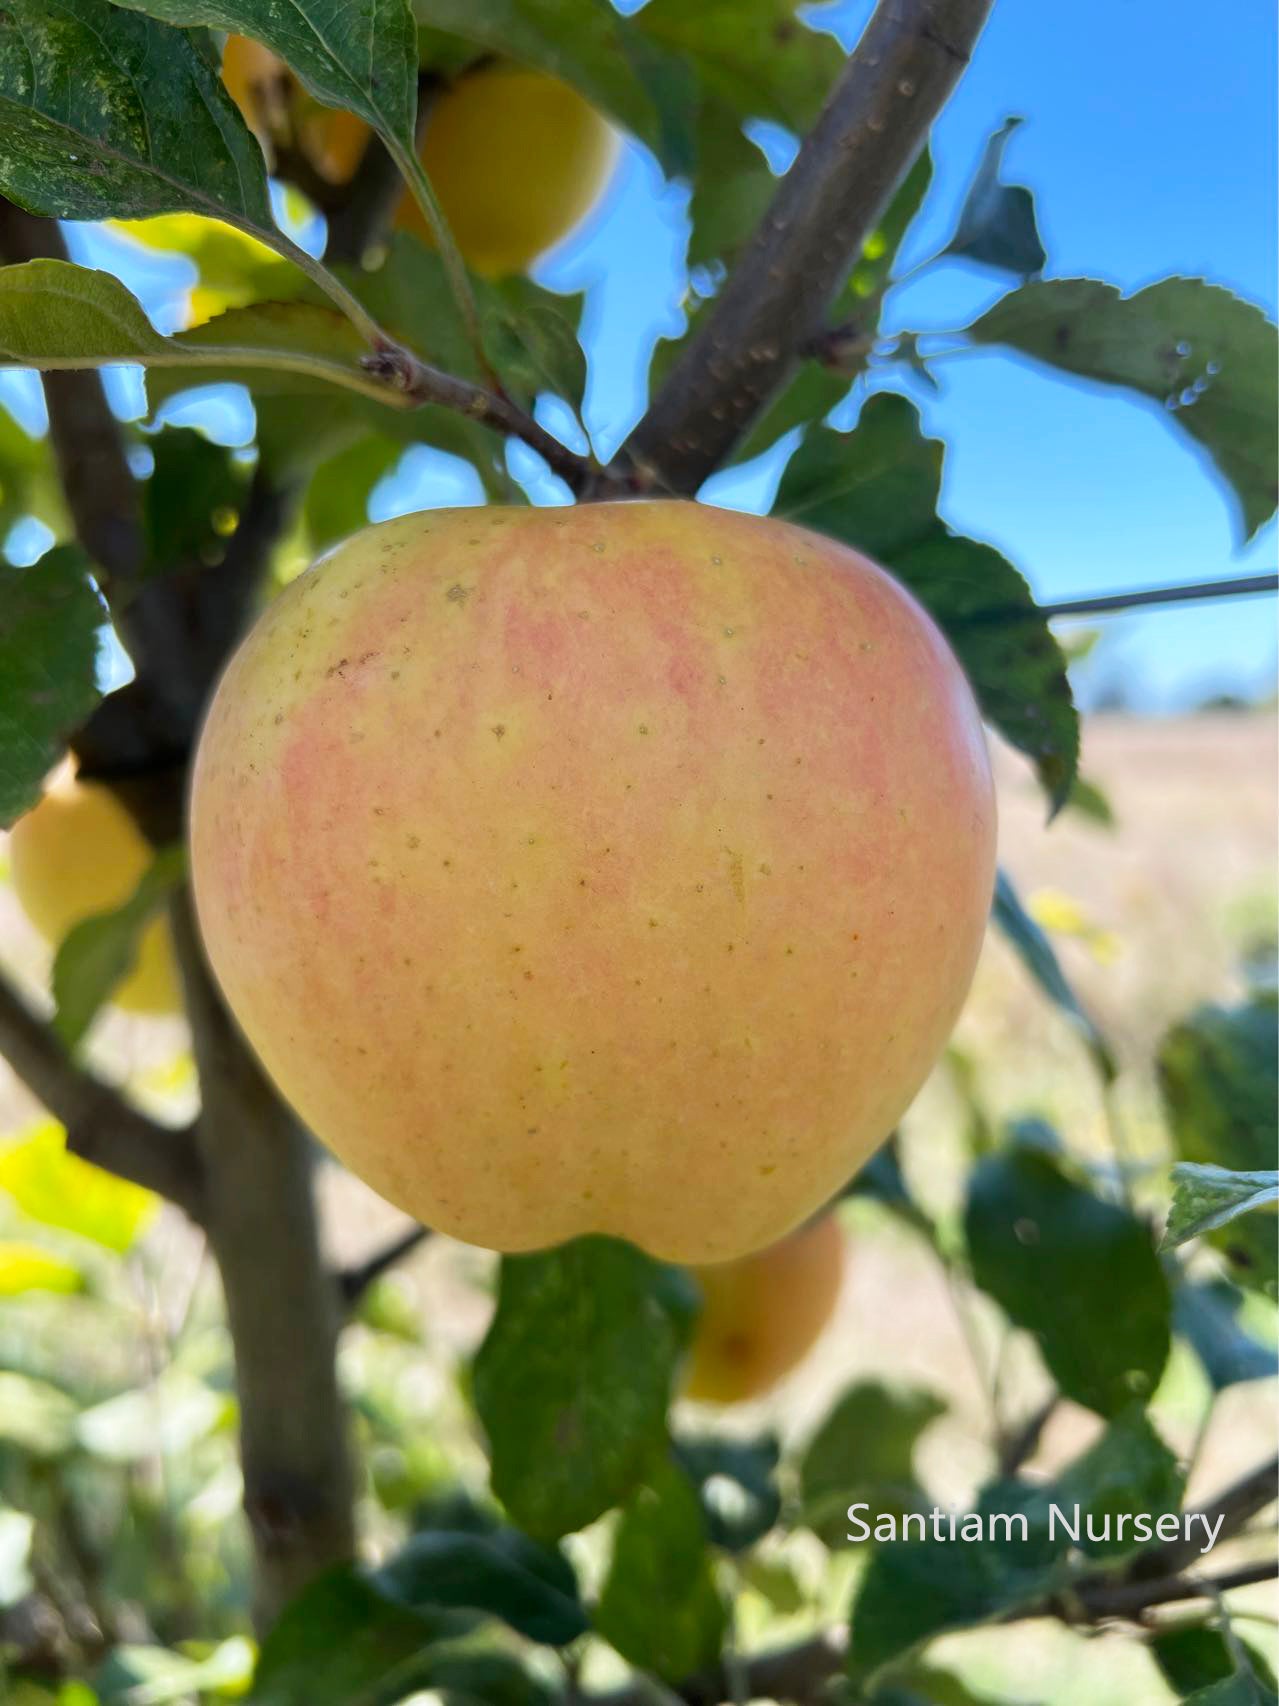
[79, 852]
[516, 160]
[270, 99]
[616, 869]
[762, 1314]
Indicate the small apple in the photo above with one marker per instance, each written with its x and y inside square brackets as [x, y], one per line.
[762, 1314]
[76, 853]
[516, 159]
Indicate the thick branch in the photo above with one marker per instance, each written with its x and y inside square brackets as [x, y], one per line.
[1100, 1601]
[1235, 1507]
[873, 127]
[281, 1303]
[101, 1126]
[87, 444]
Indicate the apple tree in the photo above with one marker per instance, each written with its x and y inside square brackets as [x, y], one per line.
[604, 1549]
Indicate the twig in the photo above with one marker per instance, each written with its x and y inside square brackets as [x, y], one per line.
[354, 1282]
[1242, 586]
[1129, 1599]
[1020, 1445]
[874, 124]
[794, 1673]
[1237, 1505]
[101, 1126]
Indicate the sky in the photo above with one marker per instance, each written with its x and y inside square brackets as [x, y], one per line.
[1150, 143]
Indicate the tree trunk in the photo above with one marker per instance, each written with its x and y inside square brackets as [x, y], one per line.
[281, 1301]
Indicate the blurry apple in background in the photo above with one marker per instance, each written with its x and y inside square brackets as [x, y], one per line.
[619, 868]
[763, 1314]
[78, 853]
[516, 159]
[274, 104]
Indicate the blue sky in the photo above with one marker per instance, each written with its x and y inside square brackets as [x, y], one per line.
[1150, 146]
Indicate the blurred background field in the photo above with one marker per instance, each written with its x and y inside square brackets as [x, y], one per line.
[116, 1395]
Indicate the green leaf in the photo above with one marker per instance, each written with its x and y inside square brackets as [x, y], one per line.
[864, 1451]
[1219, 1073]
[1196, 1657]
[1195, 348]
[997, 224]
[17, 1532]
[1039, 957]
[915, 1588]
[1208, 1317]
[1058, 1260]
[191, 500]
[104, 113]
[171, 1418]
[50, 617]
[156, 1676]
[340, 1643]
[573, 1379]
[735, 1481]
[531, 1587]
[531, 338]
[35, 1416]
[57, 315]
[470, 1676]
[877, 488]
[337, 499]
[98, 952]
[659, 1606]
[1207, 1197]
[27, 1267]
[1245, 1688]
[55, 1188]
[360, 58]
[754, 56]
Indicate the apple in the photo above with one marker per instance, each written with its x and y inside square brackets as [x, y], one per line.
[762, 1314]
[274, 104]
[618, 869]
[78, 852]
[516, 159]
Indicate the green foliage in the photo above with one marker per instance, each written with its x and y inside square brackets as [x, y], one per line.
[916, 1588]
[997, 224]
[1037, 954]
[1207, 1197]
[659, 1606]
[573, 1380]
[98, 952]
[1054, 1256]
[1219, 1071]
[55, 1188]
[50, 615]
[363, 60]
[106, 114]
[1208, 1317]
[1205, 356]
[877, 488]
[864, 1452]
[736, 1483]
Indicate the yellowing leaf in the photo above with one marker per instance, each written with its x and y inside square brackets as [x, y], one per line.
[58, 1189]
[26, 1267]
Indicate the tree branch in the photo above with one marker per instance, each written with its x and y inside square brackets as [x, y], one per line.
[868, 136]
[796, 1673]
[1098, 1602]
[101, 1126]
[281, 1303]
[1237, 1505]
[355, 1281]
